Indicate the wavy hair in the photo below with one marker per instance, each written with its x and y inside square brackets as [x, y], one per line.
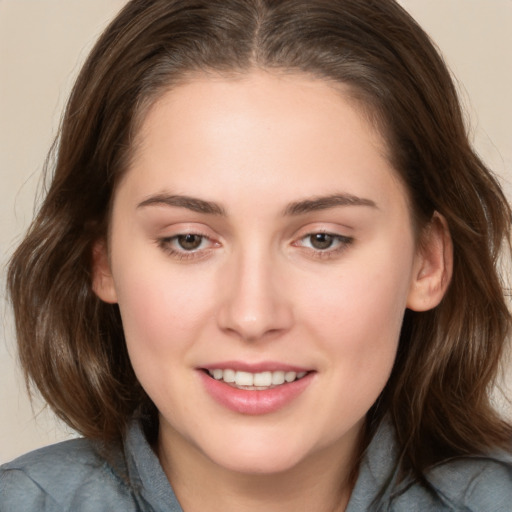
[71, 344]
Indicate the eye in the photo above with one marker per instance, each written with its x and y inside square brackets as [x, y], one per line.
[321, 241]
[187, 245]
[189, 242]
[323, 244]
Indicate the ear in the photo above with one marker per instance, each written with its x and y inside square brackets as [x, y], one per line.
[102, 280]
[433, 266]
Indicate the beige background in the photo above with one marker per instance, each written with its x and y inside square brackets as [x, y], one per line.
[43, 42]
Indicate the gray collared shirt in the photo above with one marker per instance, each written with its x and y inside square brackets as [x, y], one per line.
[77, 476]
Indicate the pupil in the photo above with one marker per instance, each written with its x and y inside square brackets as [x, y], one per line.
[321, 240]
[189, 242]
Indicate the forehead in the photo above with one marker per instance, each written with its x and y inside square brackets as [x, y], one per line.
[258, 131]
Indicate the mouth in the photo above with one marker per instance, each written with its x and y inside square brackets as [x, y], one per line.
[255, 389]
[259, 381]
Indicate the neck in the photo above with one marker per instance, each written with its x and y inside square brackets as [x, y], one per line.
[322, 482]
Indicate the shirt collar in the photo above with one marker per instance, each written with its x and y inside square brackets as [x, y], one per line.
[147, 475]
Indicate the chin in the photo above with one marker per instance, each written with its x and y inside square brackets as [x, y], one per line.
[259, 464]
[259, 456]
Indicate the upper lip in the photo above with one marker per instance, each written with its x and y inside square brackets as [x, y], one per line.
[263, 366]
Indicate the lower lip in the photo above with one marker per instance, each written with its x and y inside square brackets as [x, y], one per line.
[249, 401]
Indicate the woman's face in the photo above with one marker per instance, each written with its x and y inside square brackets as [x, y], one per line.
[260, 236]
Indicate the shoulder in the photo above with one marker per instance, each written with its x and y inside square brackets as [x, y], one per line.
[72, 475]
[469, 484]
[475, 483]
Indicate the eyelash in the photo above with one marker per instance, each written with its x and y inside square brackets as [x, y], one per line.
[166, 244]
[342, 243]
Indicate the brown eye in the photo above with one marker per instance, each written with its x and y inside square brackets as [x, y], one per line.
[189, 242]
[321, 241]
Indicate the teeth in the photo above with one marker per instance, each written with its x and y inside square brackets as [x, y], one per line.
[228, 376]
[277, 378]
[255, 380]
[262, 379]
[244, 379]
[290, 376]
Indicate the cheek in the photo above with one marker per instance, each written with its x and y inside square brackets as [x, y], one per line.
[161, 311]
[358, 324]
[360, 313]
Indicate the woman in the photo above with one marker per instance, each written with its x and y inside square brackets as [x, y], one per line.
[265, 271]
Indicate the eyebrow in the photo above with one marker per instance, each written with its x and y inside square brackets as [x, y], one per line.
[296, 208]
[326, 202]
[190, 203]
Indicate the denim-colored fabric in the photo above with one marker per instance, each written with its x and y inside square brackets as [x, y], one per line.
[80, 476]
[463, 484]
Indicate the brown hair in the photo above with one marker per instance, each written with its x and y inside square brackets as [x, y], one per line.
[71, 344]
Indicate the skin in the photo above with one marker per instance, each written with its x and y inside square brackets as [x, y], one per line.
[257, 288]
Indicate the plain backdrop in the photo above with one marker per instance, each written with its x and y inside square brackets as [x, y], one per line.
[43, 42]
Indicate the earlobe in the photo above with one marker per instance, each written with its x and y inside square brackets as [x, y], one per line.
[433, 266]
[102, 280]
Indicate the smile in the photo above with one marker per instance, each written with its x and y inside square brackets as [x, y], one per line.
[255, 381]
[267, 389]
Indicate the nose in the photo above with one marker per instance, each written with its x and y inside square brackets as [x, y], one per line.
[255, 303]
